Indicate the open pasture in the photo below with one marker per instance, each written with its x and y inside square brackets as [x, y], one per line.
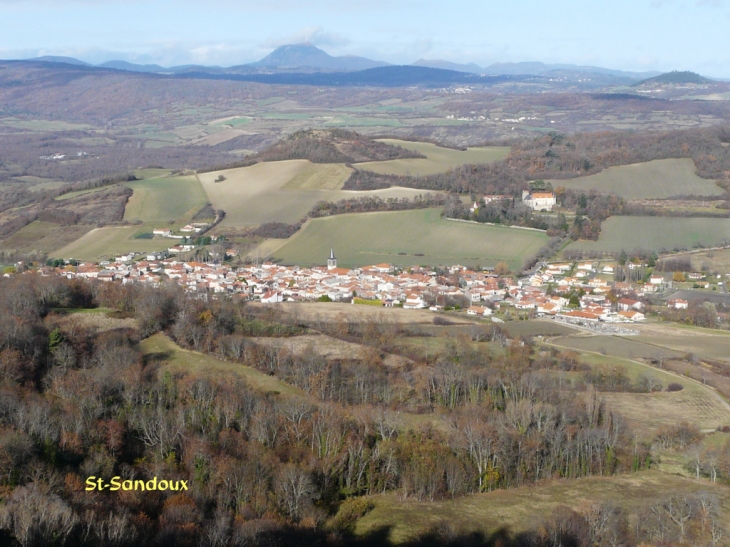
[43, 237]
[438, 159]
[282, 191]
[407, 238]
[108, 242]
[658, 179]
[165, 198]
[521, 509]
[176, 359]
[656, 233]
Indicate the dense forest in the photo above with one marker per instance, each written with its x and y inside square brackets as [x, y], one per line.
[78, 401]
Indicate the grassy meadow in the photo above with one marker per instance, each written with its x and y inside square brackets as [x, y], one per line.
[438, 159]
[656, 233]
[164, 199]
[282, 191]
[108, 242]
[42, 237]
[521, 509]
[658, 179]
[176, 359]
[407, 238]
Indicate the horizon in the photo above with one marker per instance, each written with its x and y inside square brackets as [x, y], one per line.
[636, 37]
[307, 43]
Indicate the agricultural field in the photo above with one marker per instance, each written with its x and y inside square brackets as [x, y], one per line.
[536, 328]
[164, 199]
[521, 509]
[43, 237]
[282, 191]
[658, 179]
[407, 238]
[715, 260]
[657, 233]
[438, 159]
[108, 242]
[335, 311]
[697, 404]
[628, 348]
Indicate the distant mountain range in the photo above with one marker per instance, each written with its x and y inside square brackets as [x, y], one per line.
[307, 58]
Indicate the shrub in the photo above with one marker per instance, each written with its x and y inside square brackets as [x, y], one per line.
[675, 386]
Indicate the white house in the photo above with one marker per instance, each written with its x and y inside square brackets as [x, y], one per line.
[272, 297]
[678, 304]
[538, 201]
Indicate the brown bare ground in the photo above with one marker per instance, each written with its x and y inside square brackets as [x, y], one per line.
[329, 311]
[97, 321]
[327, 346]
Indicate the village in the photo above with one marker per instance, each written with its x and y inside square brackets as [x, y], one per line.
[579, 293]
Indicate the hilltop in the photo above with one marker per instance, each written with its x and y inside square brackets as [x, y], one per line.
[325, 146]
[676, 77]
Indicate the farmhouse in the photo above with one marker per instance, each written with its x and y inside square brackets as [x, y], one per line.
[538, 201]
[631, 315]
[678, 304]
[627, 304]
[164, 232]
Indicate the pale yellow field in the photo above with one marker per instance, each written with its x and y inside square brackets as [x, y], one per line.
[438, 159]
[282, 191]
[108, 242]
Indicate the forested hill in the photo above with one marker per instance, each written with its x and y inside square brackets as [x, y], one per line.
[676, 77]
[561, 156]
[325, 146]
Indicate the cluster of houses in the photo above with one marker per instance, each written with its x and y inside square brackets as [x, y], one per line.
[572, 292]
[195, 227]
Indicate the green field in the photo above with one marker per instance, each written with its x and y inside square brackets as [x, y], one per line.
[110, 241]
[524, 508]
[658, 179]
[370, 238]
[164, 199]
[43, 237]
[438, 159]
[656, 233]
[282, 191]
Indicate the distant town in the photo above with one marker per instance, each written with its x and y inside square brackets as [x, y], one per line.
[580, 293]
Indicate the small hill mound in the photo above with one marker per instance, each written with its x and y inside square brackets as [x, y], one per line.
[676, 77]
[326, 146]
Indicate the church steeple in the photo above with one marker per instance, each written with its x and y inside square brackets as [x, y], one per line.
[331, 261]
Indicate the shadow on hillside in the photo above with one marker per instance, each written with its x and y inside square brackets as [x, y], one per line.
[439, 536]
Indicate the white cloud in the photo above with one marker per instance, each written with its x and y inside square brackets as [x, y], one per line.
[314, 35]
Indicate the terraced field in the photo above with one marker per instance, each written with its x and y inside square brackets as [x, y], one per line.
[658, 179]
[656, 233]
[438, 159]
[407, 238]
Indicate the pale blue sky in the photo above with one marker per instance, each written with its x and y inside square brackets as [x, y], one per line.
[621, 34]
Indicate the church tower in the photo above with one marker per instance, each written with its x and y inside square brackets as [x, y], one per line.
[331, 261]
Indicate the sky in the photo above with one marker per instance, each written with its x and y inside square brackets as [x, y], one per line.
[637, 35]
